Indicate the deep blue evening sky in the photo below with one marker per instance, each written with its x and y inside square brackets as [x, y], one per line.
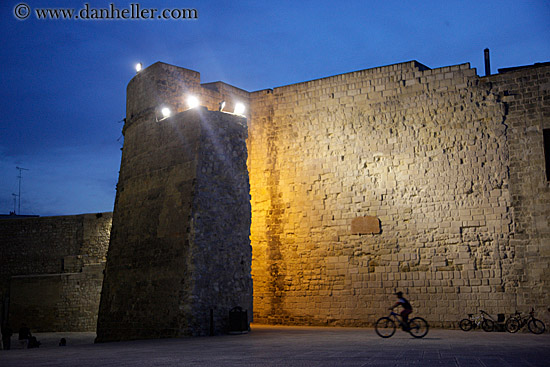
[63, 82]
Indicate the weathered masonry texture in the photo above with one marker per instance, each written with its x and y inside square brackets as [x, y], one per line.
[179, 255]
[451, 164]
[51, 271]
[402, 177]
[394, 178]
[525, 94]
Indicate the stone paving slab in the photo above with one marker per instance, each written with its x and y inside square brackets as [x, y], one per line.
[292, 346]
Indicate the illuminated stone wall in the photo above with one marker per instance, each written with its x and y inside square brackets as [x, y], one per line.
[428, 181]
[180, 246]
[432, 155]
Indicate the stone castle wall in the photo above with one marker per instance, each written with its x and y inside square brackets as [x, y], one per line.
[428, 181]
[51, 271]
[179, 256]
[525, 93]
[393, 178]
[428, 153]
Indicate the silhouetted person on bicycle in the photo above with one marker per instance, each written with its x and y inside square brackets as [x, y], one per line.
[407, 309]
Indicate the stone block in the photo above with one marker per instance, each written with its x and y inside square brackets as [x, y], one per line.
[365, 225]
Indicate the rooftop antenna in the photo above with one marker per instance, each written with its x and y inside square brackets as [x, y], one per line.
[19, 177]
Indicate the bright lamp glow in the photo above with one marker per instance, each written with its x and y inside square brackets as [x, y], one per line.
[192, 102]
[138, 67]
[166, 112]
[239, 109]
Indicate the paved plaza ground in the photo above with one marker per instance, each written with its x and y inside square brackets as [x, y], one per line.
[292, 346]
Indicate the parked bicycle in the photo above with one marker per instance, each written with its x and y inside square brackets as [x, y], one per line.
[483, 320]
[517, 321]
[385, 326]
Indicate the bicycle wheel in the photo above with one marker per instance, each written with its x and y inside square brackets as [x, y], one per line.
[536, 326]
[512, 325]
[418, 327]
[385, 327]
[466, 324]
[488, 325]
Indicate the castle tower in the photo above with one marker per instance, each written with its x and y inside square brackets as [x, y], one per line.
[179, 257]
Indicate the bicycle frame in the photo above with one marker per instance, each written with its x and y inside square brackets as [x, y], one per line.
[397, 317]
[524, 319]
[476, 320]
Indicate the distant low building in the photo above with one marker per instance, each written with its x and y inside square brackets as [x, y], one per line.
[51, 270]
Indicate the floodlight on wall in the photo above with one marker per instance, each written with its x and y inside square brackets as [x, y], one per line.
[192, 102]
[162, 113]
[239, 109]
[139, 66]
[166, 112]
[222, 105]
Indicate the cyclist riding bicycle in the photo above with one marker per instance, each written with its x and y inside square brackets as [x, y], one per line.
[407, 309]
